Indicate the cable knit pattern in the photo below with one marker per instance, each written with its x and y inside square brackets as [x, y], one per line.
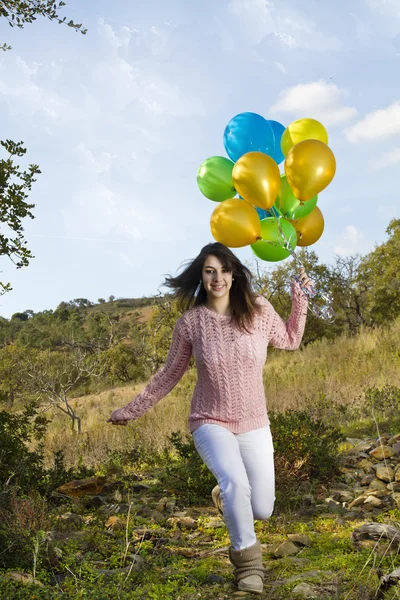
[229, 389]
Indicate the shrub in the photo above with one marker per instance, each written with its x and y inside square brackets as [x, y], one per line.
[383, 402]
[20, 465]
[305, 446]
[186, 471]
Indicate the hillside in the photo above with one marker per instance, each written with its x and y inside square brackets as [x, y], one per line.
[320, 378]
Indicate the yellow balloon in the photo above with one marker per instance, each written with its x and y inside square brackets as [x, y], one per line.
[257, 179]
[309, 166]
[303, 129]
[309, 228]
[235, 223]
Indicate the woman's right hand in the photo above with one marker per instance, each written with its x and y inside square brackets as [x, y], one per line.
[124, 422]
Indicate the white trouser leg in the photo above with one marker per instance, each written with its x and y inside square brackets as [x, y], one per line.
[243, 465]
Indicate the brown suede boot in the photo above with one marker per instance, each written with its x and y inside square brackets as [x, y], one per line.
[216, 498]
[248, 568]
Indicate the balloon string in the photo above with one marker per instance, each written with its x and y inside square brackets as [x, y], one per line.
[325, 310]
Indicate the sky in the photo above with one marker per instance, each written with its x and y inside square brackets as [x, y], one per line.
[120, 119]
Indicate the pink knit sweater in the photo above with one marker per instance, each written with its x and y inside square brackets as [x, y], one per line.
[229, 389]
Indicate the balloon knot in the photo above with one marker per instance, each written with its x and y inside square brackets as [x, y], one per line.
[258, 239]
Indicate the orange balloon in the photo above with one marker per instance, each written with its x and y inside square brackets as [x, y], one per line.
[257, 179]
[309, 228]
[309, 166]
[235, 223]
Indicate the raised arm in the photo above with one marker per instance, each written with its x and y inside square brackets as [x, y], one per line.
[162, 382]
[288, 335]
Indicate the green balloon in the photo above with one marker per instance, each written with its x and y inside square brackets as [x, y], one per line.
[214, 178]
[271, 247]
[289, 206]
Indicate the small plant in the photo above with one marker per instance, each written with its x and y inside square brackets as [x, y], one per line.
[383, 402]
[186, 470]
[307, 446]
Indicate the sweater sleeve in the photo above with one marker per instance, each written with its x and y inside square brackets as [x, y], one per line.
[163, 381]
[288, 335]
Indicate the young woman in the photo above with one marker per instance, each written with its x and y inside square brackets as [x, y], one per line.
[226, 327]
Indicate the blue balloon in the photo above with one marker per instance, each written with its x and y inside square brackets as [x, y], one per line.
[278, 130]
[264, 214]
[248, 132]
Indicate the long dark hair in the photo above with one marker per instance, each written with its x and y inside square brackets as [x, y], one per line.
[189, 289]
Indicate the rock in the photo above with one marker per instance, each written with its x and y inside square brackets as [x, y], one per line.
[373, 501]
[71, 519]
[384, 473]
[366, 464]
[394, 486]
[187, 552]
[287, 548]
[397, 473]
[109, 509]
[382, 452]
[300, 538]
[353, 441]
[396, 498]
[161, 504]
[335, 506]
[157, 516]
[94, 502]
[310, 574]
[182, 522]
[113, 486]
[367, 479]
[215, 579]
[363, 447]
[376, 484]
[25, 578]
[396, 448]
[393, 439]
[357, 502]
[114, 523]
[305, 590]
[215, 524]
[91, 486]
[140, 487]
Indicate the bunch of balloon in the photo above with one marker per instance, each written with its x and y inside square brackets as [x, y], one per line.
[274, 212]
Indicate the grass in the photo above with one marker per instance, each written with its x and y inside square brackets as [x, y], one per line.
[321, 376]
[318, 378]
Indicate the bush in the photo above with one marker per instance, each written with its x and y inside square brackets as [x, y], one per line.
[186, 471]
[22, 456]
[18, 464]
[383, 402]
[305, 446]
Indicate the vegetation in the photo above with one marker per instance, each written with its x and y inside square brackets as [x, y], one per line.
[63, 371]
[19, 13]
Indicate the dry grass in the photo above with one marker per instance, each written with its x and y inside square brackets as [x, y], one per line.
[341, 370]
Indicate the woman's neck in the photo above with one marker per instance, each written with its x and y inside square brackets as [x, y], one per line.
[221, 306]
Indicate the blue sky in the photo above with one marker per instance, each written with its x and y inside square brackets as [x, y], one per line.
[120, 119]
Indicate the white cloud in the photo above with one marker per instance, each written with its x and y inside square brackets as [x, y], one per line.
[281, 67]
[388, 159]
[279, 22]
[318, 99]
[254, 16]
[99, 164]
[351, 241]
[390, 8]
[377, 125]
[20, 89]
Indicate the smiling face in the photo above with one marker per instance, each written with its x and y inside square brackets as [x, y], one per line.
[217, 280]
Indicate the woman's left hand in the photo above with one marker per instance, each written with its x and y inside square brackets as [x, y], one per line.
[305, 281]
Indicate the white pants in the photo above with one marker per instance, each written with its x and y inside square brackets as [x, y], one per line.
[243, 465]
